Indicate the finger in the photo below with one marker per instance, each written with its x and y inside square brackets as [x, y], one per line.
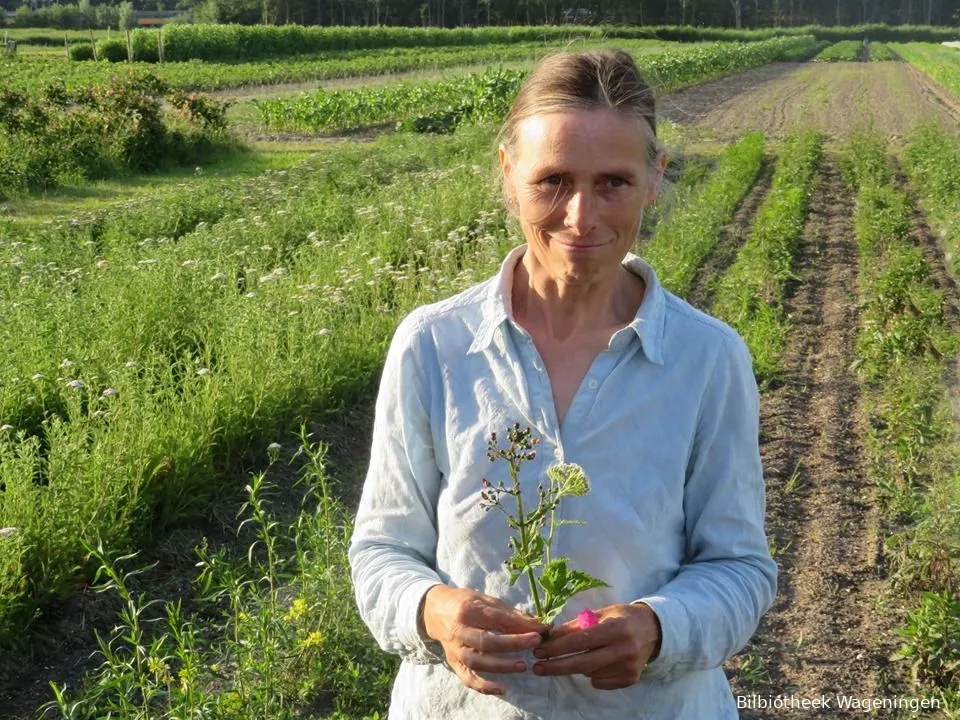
[581, 663]
[493, 643]
[610, 683]
[569, 642]
[481, 662]
[508, 621]
[481, 684]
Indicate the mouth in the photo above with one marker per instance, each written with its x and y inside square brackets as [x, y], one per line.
[579, 246]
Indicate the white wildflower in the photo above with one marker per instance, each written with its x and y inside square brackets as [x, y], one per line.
[130, 364]
[274, 446]
[203, 372]
[323, 332]
[189, 263]
[8, 532]
[312, 235]
[218, 277]
[250, 295]
[65, 363]
[109, 392]
[38, 377]
[76, 384]
[6, 427]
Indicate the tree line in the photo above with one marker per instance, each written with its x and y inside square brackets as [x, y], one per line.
[453, 13]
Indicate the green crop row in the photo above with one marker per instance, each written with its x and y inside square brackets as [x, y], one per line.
[845, 50]
[680, 243]
[942, 63]
[666, 71]
[903, 352]
[879, 52]
[25, 74]
[750, 295]
[932, 159]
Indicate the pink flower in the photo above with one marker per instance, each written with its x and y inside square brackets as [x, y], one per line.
[587, 619]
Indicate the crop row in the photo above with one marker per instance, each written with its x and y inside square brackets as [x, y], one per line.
[750, 295]
[932, 159]
[27, 73]
[682, 241]
[939, 62]
[854, 50]
[903, 352]
[666, 71]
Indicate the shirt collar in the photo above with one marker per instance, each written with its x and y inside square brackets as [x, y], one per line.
[648, 323]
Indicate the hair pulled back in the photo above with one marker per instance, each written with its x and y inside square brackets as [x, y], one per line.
[585, 81]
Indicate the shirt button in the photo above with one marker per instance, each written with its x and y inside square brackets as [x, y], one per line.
[592, 384]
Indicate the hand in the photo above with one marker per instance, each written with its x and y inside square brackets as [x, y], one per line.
[474, 629]
[612, 653]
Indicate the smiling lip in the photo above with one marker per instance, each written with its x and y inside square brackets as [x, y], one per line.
[572, 247]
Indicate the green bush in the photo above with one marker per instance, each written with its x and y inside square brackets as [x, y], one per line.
[81, 52]
[113, 50]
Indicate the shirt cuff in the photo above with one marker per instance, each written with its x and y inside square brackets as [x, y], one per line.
[419, 649]
[673, 625]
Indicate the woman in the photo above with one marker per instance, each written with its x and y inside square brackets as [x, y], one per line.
[576, 339]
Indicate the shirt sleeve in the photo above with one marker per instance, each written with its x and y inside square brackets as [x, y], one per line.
[392, 550]
[712, 607]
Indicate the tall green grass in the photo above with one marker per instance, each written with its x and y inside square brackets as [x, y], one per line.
[140, 370]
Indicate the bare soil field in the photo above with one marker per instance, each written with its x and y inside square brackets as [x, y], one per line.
[836, 98]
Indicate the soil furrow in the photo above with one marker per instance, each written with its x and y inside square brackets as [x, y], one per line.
[823, 635]
[731, 238]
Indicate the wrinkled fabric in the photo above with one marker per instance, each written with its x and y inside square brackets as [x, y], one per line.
[665, 423]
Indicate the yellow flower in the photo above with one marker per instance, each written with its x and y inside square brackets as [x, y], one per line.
[298, 608]
[313, 640]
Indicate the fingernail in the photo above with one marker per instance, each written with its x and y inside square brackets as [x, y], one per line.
[521, 666]
[539, 653]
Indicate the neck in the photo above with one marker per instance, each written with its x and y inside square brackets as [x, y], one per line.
[563, 311]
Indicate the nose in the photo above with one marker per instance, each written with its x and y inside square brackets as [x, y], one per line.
[580, 213]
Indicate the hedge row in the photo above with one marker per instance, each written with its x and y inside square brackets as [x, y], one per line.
[242, 42]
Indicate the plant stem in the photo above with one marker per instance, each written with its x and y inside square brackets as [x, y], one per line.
[522, 522]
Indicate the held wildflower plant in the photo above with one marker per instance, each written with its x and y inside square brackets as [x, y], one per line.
[531, 550]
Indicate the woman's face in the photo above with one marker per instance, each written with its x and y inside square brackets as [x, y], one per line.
[578, 181]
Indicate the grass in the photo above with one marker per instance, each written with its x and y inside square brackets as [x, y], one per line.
[204, 319]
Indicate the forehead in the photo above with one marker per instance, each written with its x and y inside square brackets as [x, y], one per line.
[582, 137]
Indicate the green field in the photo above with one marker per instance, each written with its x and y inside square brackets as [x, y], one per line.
[189, 349]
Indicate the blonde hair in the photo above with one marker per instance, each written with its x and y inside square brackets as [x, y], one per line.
[585, 81]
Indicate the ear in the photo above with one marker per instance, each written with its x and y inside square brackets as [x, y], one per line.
[506, 167]
[658, 178]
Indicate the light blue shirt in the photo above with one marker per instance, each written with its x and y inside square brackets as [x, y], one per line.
[665, 423]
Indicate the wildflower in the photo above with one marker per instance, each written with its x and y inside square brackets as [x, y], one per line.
[109, 392]
[203, 372]
[323, 332]
[218, 277]
[38, 377]
[587, 619]
[314, 639]
[298, 608]
[569, 478]
[76, 384]
[31, 400]
[131, 364]
[101, 264]
[189, 263]
[65, 363]
[8, 532]
[312, 235]
[5, 427]
[274, 446]
[250, 295]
